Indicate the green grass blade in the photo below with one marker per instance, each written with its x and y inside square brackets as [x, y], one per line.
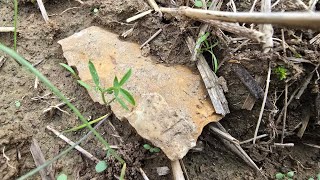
[94, 74]
[125, 77]
[120, 101]
[116, 82]
[85, 85]
[203, 38]
[15, 25]
[123, 171]
[127, 96]
[69, 69]
[55, 90]
[84, 125]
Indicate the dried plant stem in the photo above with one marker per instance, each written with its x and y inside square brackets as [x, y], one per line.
[138, 16]
[43, 11]
[145, 177]
[177, 170]
[263, 105]
[285, 112]
[77, 147]
[6, 29]
[151, 38]
[249, 140]
[296, 19]
[155, 6]
[267, 29]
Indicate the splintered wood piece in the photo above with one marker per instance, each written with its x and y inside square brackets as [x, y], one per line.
[252, 86]
[39, 159]
[210, 80]
[306, 117]
[250, 100]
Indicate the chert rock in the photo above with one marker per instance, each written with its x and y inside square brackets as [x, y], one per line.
[171, 101]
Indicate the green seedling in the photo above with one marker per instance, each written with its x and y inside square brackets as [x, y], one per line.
[101, 166]
[55, 90]
[62, 176]
[281, 72]
[17, 104]
[116, 89]
[288, 176]
[207, 47]
[70, 69]
[198, 3]
[151, 149]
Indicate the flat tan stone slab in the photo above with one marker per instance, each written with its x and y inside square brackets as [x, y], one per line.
[171, 105]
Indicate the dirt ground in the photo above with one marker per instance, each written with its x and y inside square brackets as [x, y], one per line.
[37, 42]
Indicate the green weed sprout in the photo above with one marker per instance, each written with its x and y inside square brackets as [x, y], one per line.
[198, 3]
[208, 48]
[116, 89]
[288, 176]
[281, 72]
[62, 176]
[151, 149]
[55, 90]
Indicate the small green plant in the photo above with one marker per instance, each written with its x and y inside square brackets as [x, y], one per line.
[198, 3]
[151, 149]
[207, 47]
[62, 176]
[70, 69]
[101, 166]
[281, 72]
[288, 176]
[116, 89]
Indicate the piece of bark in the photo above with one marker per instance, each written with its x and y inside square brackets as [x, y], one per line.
[39, 159]
[210, 80]
[252, 86]
[250, 100]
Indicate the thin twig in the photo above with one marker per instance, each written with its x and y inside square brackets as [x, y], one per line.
[306, 82]
[7, 158]
[155, 6]
[184, 169]
[56, 107]
[145, 177]
[138, 16]
[263, 105]
[285, 112]
[224, 135]
[151, 38]
[253, 5]
[283, 43]
[267, 29]
[284, 144]
[80, 149]
[249, 140]
[68, 9]
[312, 145]
[43, 11]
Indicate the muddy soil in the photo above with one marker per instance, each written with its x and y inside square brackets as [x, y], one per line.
[21, 105]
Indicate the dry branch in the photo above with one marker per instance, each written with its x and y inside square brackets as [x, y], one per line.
[151, 38]
[296, 19]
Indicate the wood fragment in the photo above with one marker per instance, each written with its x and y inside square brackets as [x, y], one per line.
[151, 38]
[305, 120]
[145, 177]
[176, 170]
[138, 16]
[315, 40]
[210, 80]
[250, 100]
[39, 159]
[306, 82]
[312, 5]
[263, 105]
[249, 82]
[77, 147]
[293, 19]
[43, 11]
[6, 29]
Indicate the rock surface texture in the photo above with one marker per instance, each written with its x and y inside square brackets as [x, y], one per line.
[172, 106]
